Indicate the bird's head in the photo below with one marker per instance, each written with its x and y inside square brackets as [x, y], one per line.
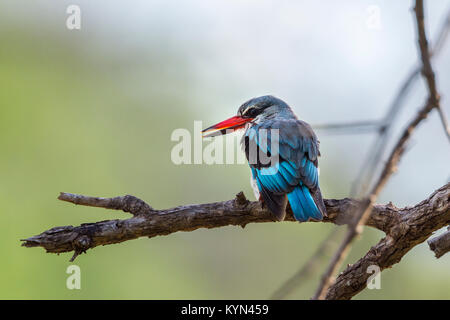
[254, 110]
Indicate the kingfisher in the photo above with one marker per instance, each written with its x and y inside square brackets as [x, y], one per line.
[282, 152]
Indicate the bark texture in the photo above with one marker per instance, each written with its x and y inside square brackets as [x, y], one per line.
[148, 222]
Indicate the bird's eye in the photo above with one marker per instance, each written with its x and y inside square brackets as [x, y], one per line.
[250, 112]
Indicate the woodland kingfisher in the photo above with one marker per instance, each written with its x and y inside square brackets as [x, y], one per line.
[294, 177]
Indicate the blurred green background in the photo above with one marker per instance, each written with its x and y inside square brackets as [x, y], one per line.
[91, 111]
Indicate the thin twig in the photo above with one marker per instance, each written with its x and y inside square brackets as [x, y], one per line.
[356, 228]
[346, 127]
[376, 151]
[444, 122]
[126, 203]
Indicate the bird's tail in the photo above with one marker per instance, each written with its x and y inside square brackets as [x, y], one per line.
[303, 205]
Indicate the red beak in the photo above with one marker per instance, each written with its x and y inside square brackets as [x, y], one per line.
[232, 124]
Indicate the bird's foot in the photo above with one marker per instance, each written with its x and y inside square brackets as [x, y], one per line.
[261, 200]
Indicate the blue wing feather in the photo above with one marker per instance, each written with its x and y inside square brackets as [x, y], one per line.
[296, 172]
[296, 201]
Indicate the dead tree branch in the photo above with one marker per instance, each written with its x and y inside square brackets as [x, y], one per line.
[440, 245]
[411, 230]
[444, 122]
[148, 222]
[390, 166]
